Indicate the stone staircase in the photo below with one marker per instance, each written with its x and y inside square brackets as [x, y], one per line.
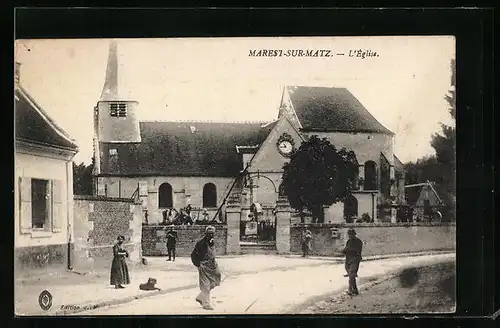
[257, 248]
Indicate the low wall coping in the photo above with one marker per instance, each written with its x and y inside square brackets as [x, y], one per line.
[105, 199]
[182, 227]
[374, 225]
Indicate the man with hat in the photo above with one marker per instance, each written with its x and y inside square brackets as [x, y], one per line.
[352, 252]
[171, 243]
[203, 257]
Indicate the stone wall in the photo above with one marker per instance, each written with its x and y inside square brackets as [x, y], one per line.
[97, 224]
[154, 242]
[378, 238]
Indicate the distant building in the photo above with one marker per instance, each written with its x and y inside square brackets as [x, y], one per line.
[43, 185]
[423, 198]
[173, 164]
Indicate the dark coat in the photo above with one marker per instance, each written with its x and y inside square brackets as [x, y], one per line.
[353, 248]
[171, 239]
[203, 257]
[119, 268]
[352, 252]
[199, 251]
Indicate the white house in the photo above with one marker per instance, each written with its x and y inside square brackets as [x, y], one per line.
[43, 186]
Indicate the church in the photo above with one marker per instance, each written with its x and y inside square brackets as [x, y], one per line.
[174, 164]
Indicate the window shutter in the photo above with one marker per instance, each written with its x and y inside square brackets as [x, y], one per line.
[57, 205]
[25, 205]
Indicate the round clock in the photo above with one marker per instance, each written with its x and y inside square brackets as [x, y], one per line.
[285, 147]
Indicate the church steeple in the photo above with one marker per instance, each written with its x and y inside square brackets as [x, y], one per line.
[116, 115]
[110, 89]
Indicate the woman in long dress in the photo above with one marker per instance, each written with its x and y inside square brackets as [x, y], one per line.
[119, 268]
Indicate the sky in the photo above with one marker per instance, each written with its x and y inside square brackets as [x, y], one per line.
[215, 79]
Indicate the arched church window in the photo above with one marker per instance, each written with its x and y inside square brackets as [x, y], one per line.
[209, 195]
[370, 176]
[350, 207]
[165, 196]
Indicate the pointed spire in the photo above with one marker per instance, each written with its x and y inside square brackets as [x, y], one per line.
[110, 89]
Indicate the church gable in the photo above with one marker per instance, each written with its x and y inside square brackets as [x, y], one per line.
[286, 109]
[269, 157]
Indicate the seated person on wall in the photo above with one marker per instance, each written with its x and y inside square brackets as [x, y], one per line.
[188, 209]
[177, 218]
[186, 217]
[165, 220]
[203, 220]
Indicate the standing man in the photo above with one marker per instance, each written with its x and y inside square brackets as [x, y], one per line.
[306, 243]
[171, 242]
[203, 257]
[352, 252]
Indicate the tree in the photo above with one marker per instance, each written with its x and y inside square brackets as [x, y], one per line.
[441, 167]
[444, 144]
[82, 179]
[318, 174]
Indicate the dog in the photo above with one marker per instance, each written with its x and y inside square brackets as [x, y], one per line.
[150, 285]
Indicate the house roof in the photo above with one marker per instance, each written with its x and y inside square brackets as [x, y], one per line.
[332, 109]
[33, 124]
[173, 149]
[412, 194]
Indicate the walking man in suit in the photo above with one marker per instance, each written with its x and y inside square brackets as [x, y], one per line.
[352, 252]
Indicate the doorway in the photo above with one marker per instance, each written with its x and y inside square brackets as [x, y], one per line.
[259, 227]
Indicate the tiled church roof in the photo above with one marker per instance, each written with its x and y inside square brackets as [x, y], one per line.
[34, 125]
[332, 109]
[174, 149]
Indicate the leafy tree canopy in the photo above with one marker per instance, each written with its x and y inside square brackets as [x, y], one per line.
[82, 179]
[318, 174]
[444, 143]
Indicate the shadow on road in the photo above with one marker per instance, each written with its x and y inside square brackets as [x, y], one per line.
[416, 290]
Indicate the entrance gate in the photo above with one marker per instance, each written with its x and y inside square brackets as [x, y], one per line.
[260, 227]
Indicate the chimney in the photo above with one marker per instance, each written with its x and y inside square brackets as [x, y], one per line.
[17, 73]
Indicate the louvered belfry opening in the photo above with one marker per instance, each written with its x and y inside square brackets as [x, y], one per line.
[118, 109]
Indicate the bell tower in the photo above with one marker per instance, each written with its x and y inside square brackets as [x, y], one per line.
[115, 116]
